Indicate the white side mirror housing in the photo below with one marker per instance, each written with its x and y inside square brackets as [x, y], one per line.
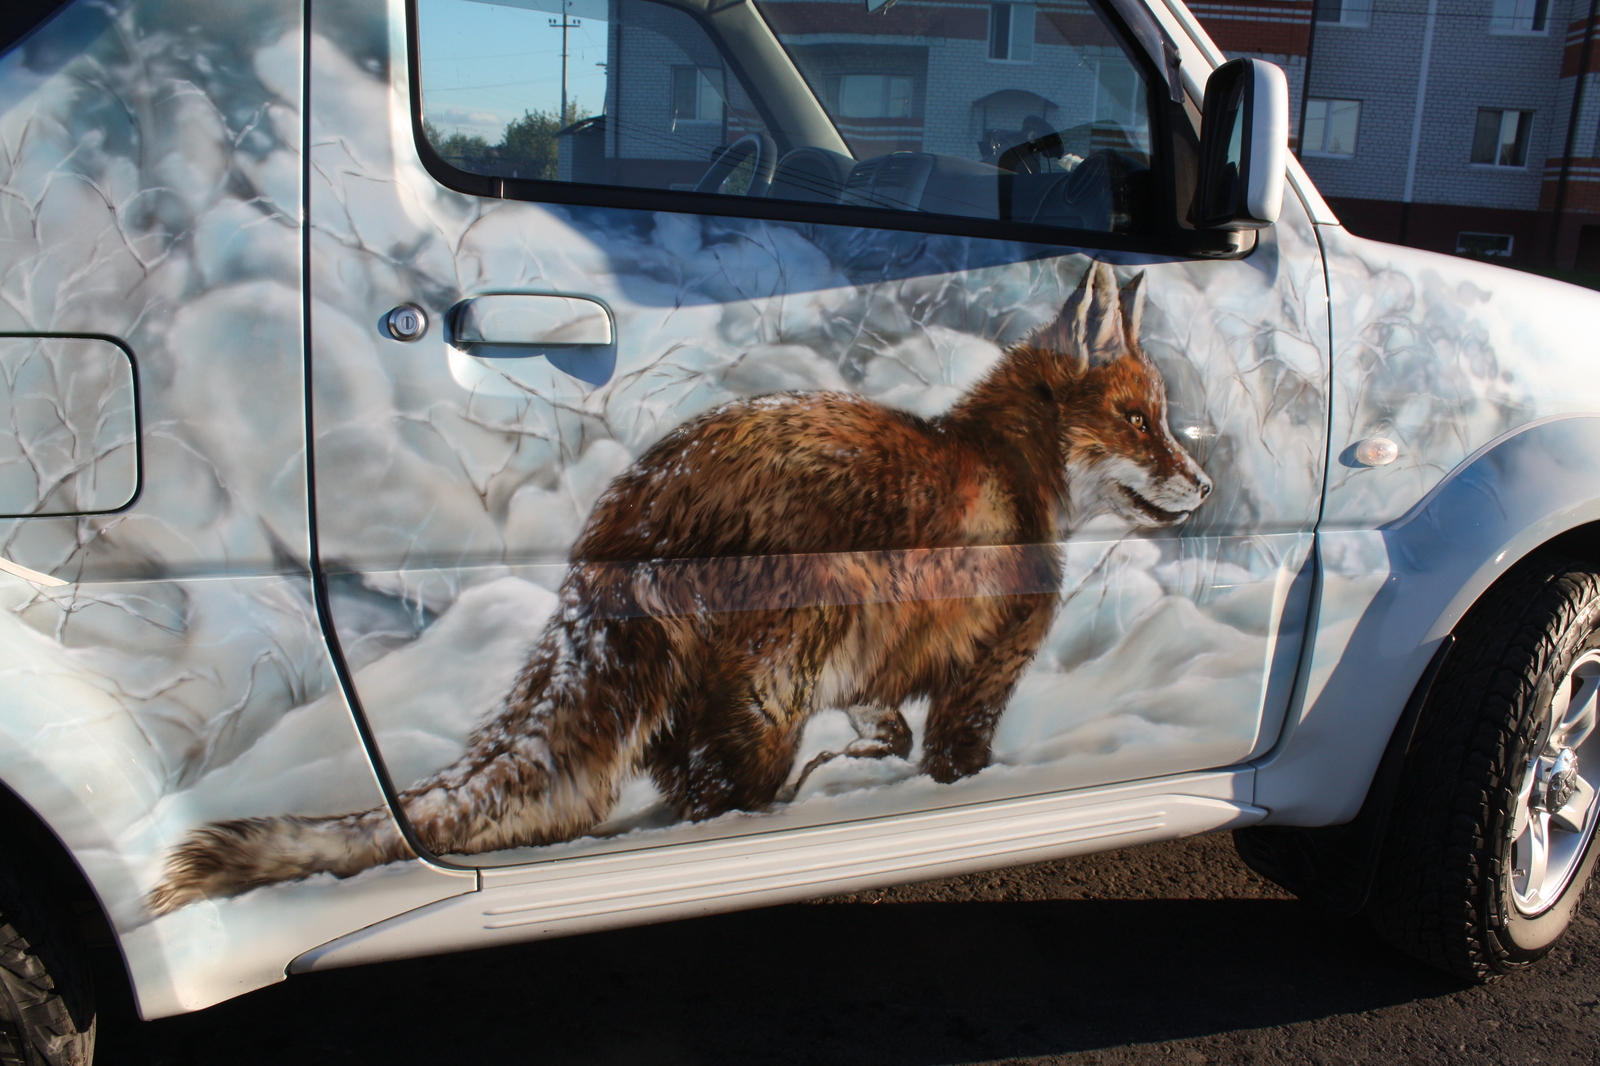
[1244, 146]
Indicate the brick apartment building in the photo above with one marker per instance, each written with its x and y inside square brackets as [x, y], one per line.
[1442, 124]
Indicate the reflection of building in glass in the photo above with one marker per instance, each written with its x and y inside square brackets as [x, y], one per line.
[943, 76]
[1424, 120]
[670, 103]
[1442, 126]
[964, 71]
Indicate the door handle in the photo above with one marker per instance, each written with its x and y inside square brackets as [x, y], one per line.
[532, 320]
[574, 333]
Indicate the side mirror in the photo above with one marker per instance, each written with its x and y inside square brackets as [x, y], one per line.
[1244, 146]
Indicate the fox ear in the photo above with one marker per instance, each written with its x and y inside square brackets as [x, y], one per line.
[1091, 329]
[1133, 309]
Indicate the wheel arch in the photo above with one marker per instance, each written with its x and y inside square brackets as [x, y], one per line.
[46, 816]
[28, 841]
[1387, 598]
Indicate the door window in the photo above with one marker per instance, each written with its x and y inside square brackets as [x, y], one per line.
[607, 92]
[1006, 111]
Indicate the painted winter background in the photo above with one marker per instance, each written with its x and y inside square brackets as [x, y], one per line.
[450, 488]
[150, 176]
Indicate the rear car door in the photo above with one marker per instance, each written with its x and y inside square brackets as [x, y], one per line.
[791, 409]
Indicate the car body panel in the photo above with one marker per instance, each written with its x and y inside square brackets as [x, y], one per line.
[451, 488]
[152, 194]
[1480, 375]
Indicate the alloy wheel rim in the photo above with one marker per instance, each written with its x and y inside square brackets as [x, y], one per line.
[1557, 807]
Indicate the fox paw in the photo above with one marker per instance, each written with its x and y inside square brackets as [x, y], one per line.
[945, 767]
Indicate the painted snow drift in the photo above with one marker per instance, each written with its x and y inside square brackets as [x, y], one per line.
[766, 560]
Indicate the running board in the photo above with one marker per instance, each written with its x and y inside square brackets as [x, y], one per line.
[588, 894]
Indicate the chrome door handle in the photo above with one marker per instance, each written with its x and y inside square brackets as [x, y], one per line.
[574, 333]
[531, 320]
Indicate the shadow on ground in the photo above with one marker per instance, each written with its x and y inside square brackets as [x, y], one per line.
[846, 983]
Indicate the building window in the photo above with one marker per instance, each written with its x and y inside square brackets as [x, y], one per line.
[1519, 16]
[1119, 97]
[1011, 32]
[1344, 12]
[696, 94]
[1331, 127]
[870, 96]
[1483, 245]
[1501, 139]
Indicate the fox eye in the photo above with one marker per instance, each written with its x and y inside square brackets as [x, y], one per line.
[1137, 420]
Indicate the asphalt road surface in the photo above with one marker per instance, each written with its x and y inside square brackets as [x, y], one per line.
[1173, 953]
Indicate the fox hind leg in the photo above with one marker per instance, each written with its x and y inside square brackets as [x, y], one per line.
[730, 748]
[963, 713]
[732, 744]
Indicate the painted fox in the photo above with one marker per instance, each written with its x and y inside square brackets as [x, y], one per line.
[769, 559]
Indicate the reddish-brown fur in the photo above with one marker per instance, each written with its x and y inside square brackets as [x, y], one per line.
[766, 560]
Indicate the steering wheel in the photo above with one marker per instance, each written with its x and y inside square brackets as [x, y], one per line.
[1098, 194]
[762, 153]
[1041, 142]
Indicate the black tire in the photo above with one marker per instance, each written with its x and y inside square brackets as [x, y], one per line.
[1443, 886]
[47, 1015]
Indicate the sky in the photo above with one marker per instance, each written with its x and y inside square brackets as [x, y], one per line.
[484, 64]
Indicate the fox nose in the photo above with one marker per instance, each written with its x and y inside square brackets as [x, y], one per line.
[1205, 488]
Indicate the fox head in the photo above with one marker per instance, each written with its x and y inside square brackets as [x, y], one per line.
[1120, 456]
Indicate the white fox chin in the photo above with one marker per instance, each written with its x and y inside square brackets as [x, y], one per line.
[1127, 490]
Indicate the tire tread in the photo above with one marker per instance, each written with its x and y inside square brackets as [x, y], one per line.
[46, 1003]
[1436, 890]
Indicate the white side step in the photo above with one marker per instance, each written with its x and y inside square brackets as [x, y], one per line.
[579, 895]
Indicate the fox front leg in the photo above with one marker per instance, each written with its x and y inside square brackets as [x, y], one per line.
[962, 716]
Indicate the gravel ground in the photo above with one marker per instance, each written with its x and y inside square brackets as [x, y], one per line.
[1172, 953]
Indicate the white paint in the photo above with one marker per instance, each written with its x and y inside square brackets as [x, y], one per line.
[651, 885]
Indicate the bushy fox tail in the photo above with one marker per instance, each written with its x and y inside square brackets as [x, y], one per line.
[227, 858]
[547, 768]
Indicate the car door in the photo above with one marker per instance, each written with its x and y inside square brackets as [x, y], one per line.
[730, 418]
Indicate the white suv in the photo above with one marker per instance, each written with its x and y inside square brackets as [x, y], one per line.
[490, 469]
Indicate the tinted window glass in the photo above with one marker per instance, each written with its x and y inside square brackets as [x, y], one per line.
[1029, 112]
[22, 17]
[610, 92]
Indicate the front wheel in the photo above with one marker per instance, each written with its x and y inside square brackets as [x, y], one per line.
[1492, 837]
[47, 1015]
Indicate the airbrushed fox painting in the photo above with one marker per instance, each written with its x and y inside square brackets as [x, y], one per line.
[897, 557]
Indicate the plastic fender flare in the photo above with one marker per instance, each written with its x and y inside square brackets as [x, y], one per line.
[54, 805]
[1387, 597]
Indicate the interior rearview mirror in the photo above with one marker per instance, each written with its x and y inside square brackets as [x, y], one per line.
[1244, 146]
